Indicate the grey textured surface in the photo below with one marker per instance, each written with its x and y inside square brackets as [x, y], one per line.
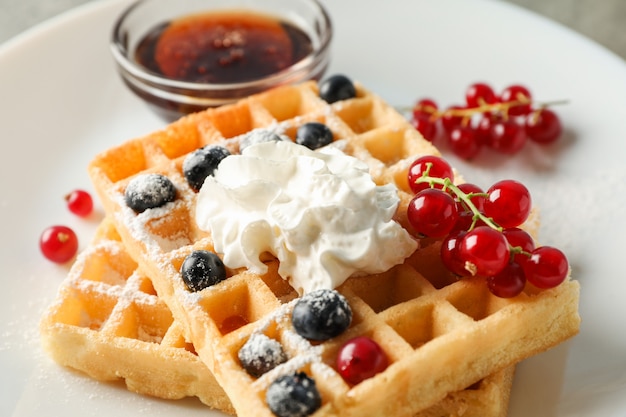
[603, 21]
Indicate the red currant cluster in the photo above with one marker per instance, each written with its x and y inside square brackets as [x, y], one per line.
[59, 243]
[503, 123]
[480, 230]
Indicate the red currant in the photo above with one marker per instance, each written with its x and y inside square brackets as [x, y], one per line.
[449, 120]
[439, 169]
[485, 251]
[466, 219]
[79, 202]
[519, 238]
[426, 107]
[463, 142]
[483, 129]
[432, 213]
[359, 359]
[475, 194]
[479, 94]
[517, 93]
[449, 252]
[424, 124]
[507, 136]
[508, 203]
[505, 122]
[547, 267]
[543, 126]
[58, 243]
[509, 282]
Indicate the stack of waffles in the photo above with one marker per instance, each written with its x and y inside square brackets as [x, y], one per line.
[125, 312]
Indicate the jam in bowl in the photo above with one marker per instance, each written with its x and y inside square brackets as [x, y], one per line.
[182, 57]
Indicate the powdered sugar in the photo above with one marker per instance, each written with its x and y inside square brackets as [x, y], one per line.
[148, 191]
[137, 224]
[295, 343]
[261, 354]
[260, 136]
[299, 350]
[112, 282]
[294, 395]
[150, 335]
[292, 366]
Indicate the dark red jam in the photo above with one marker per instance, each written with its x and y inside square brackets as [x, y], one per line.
[224, 47]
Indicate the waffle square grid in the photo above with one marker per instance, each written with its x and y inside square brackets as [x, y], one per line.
[440, 339]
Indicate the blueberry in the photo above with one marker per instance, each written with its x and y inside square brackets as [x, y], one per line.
[201, 269]
[314, 135]
[261, 354]
[321, 315]
[201, 163]
[149, 191]
[293, 396]
[259, 136]
[336, 88]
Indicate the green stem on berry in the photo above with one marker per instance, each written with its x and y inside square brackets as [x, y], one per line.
[447, 184]
[464, 197]
[518, 250]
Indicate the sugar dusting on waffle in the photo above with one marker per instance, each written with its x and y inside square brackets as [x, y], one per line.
[424, 326]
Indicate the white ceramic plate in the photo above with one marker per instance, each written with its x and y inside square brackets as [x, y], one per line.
[61, 102]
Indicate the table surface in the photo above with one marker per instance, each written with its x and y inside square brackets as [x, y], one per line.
[601, 21]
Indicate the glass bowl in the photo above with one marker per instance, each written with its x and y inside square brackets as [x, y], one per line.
[152, 72]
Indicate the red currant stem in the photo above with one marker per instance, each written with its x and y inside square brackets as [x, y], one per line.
[429, 109]
[464, 197]
[537, 112]
[486, 108]
[515, 250]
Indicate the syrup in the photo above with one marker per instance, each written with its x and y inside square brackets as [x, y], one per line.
[224, 47]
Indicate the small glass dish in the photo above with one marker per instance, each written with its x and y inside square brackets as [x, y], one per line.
[172, 96]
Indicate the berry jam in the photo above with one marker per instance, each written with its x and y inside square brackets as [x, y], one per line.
[224, 47]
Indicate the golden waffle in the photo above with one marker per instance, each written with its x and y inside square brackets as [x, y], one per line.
[440, 338]
[109, 323]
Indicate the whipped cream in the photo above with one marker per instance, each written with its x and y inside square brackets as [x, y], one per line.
[318, 212]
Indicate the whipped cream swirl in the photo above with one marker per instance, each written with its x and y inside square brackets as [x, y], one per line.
[318, 212]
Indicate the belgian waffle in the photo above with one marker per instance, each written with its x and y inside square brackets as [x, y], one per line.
[108, 322]
[440, 337]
